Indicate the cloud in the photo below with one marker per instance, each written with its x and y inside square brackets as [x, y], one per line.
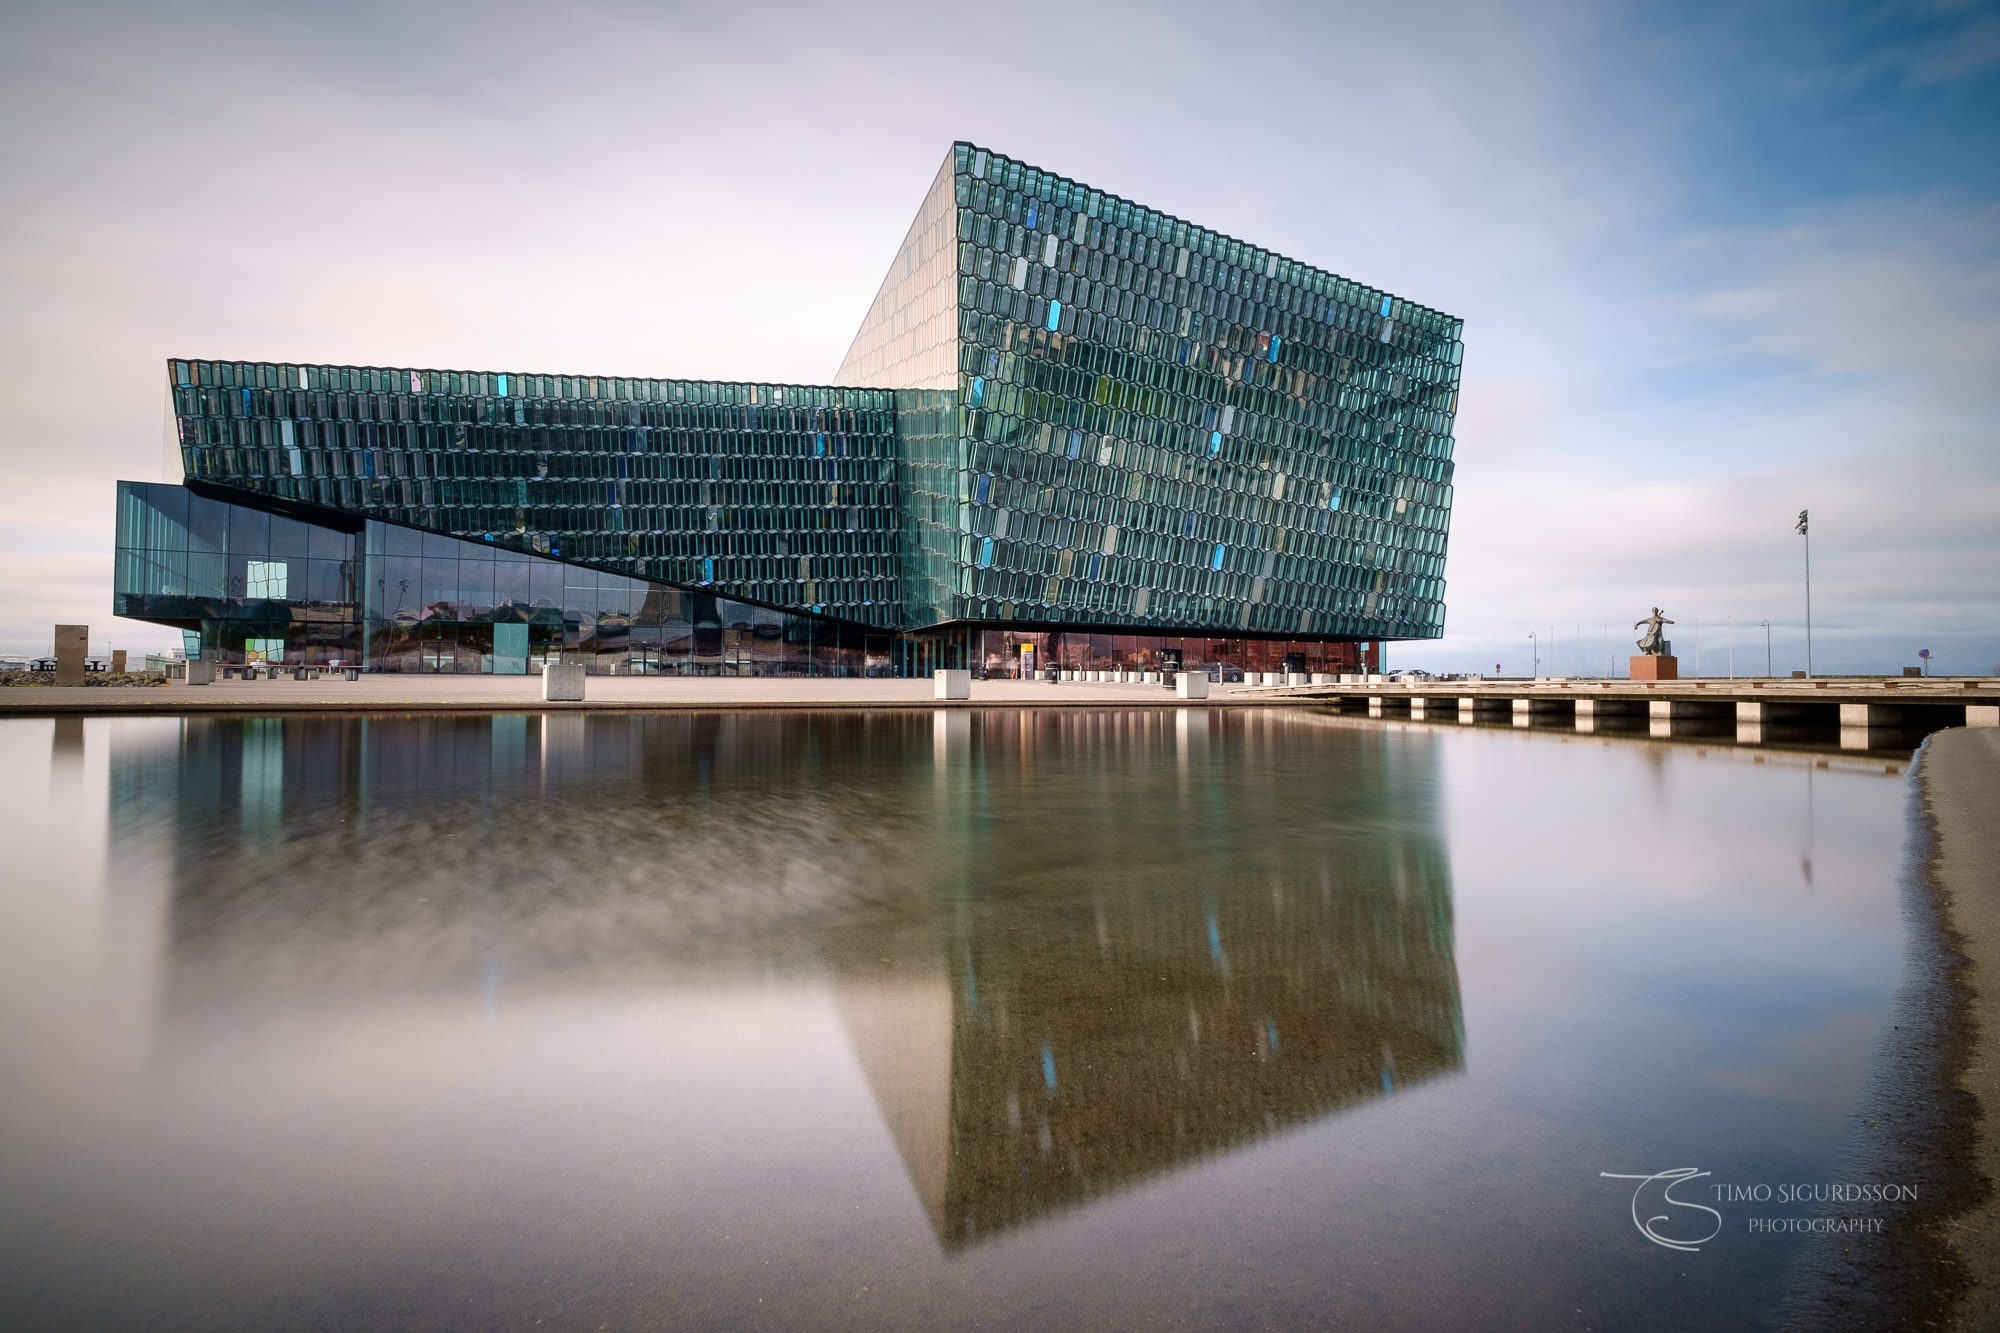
[1661, 347]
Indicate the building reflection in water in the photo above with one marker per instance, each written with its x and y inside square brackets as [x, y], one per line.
[1256, 932]
[1073, 949]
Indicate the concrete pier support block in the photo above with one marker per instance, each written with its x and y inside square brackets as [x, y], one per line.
[1191, 685]
[951, 684]
[1375, 702]
[562, 682]
[1523, 707]
[1982, 715]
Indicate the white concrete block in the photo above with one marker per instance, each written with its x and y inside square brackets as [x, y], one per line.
[952, 684]
[562, 682]
[1191, 685]
[200, 673]
[1982, 715]
[1325, 678]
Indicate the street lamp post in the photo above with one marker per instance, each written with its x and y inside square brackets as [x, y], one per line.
[1805, 530]
[1767, 649]
[1732, 647]
[1536, 646]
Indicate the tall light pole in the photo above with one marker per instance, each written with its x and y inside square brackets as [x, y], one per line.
[1805, 530]
[1767, 650]
[1536, 646]
[1732, 647]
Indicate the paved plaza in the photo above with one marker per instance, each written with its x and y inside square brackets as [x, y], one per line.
[375, 693]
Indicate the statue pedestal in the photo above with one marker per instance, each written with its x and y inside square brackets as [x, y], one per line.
[1656, 668]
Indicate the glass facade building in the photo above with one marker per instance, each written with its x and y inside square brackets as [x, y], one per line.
[1070, 428]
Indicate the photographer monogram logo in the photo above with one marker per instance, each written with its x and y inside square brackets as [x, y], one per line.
[1668, 1210]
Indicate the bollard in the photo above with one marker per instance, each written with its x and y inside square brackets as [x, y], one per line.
[72, 647]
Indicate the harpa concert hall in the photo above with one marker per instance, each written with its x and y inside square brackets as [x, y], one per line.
[1070, 430]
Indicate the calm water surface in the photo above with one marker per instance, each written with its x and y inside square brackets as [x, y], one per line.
[1043, 1019]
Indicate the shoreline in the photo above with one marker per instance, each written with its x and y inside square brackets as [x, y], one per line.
[1960, 783]
[1927, 1116]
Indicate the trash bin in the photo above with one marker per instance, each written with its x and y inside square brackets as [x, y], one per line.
[352, 673]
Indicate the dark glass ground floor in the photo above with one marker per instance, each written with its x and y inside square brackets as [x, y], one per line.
[248, 585]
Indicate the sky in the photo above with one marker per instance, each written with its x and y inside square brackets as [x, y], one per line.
[1717, 263]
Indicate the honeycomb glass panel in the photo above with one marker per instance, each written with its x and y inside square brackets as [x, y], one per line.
[1063, 414]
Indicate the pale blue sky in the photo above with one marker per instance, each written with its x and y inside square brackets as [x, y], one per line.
[1717, 262]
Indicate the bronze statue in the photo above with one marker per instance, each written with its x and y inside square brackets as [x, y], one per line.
[1650, 643]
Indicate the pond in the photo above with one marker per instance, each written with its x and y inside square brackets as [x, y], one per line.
[1024, 1017]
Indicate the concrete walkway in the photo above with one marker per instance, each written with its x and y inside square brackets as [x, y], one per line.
[1961, 790]
[391, 693]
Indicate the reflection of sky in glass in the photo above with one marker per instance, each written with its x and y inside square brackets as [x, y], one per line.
[389, 1020]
